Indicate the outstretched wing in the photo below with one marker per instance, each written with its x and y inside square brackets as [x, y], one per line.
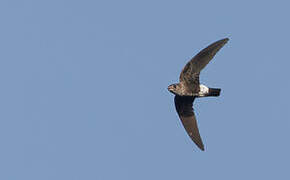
[190, 72]
[183, 105]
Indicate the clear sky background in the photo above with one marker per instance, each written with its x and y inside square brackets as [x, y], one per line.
[84, 95]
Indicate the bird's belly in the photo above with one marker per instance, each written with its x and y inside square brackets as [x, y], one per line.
[190, 94]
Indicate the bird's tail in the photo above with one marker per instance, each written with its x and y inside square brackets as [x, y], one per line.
[214, 92]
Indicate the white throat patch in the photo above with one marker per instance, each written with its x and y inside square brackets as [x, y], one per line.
[203, 90]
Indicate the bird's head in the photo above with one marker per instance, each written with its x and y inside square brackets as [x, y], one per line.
[174, 88]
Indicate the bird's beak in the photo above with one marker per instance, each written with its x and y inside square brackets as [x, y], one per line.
[169, 88]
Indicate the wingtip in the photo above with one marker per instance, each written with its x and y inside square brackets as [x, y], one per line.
[226, 40]
[201, 147]
[220, 43]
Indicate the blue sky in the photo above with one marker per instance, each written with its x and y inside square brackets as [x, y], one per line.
[84, 90]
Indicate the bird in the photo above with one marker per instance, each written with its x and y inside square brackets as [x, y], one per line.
[189, 88]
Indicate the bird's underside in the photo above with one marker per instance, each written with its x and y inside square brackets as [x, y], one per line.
[189, 88]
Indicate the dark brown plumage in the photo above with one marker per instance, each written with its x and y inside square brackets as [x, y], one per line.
[190, 88]
[183, 105]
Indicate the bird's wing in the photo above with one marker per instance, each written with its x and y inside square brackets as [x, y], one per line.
[191, 70]
[183, 105]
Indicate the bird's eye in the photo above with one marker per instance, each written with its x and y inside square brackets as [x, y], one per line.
[174, 86]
